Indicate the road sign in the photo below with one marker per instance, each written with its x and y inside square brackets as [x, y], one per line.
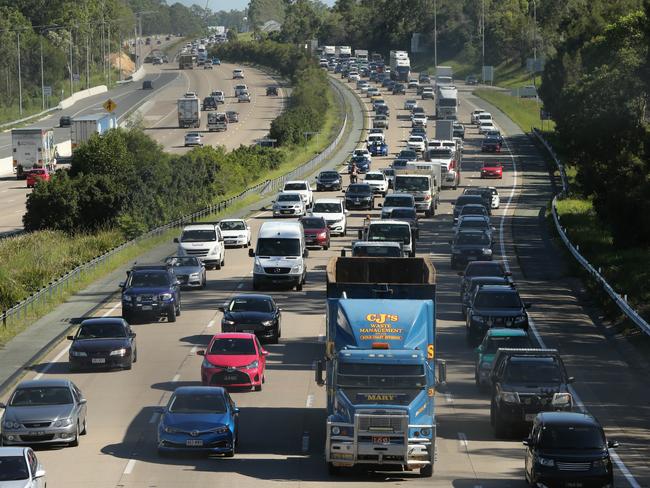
[47, 91]
[110, 105]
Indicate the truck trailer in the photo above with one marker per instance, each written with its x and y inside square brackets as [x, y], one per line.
[185, 61]
[82, 128]
[189, 112]
[380, 364]
[32, 148]
[400, 66]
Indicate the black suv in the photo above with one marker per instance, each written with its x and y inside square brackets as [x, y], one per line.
[481, 268]
[467, 200]
[152, 291]
[210, 103]
[483, 192]
[474, 283]
[470, 245]
[494, 306]
[359, 195]
[399, 89]
[525, 382]
[272, 91]
[568, 449]
[328, 180]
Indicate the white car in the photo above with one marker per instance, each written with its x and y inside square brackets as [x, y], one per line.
[486, 126]
[410, 104]
[302, 187]
[496, 201]
[19, 468]
[377, 181]
[331, 209]
[353, 76]
[419, 119]
[239, 89]
[190, 95]
[475, 114]
[361, 83]
[413, 83]
[238, 74]
[373, 91]
[364, 153]
[416, 143]
[483, 117]
[235, 232]
[244, 96]
[193, 139]
[289, 204]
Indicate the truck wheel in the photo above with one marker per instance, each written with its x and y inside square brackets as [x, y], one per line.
[500, 427]
[218, 265]
[426, 471]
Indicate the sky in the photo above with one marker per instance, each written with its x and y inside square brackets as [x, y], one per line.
[216, 5]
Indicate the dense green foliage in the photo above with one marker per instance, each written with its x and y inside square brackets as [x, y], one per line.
[124, 178]
[307, 103]
[260, 11]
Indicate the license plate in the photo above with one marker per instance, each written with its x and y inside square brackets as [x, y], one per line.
[529, 417]
[193, 442]
[471, 258]
[380, 439]
[40, 432]
[249, 331]
[230, 377]
[147, 307]
[573, 484]
[98, 360]
[285, 211]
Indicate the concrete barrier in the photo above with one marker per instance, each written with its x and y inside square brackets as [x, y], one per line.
[139, 74]
[80, 95]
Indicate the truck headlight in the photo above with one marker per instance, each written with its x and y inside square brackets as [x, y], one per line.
[126, 298]
[258, 268]
[336, 430]
[297, 269]
[214, 250]
[510, 396]
[425, 431]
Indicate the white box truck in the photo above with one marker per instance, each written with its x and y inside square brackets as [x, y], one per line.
[400, 65]
[189, 112]
[446, 102]
[444, 75]
[82, 128]
[32, 148]
[361, 54]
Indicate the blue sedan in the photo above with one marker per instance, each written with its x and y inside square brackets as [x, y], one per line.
[378, 149]
[199, 419]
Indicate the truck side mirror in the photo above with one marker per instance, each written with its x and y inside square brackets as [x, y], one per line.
[343, 253]
[360, 234]
[442, 373]
[251, 253]
[319, 373]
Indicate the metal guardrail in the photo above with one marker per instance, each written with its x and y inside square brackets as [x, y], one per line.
[56, 288]
[620, 301]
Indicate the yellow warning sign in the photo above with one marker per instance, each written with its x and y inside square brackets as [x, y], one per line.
[110, 105]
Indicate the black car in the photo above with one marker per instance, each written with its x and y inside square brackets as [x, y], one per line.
[470, 245]
[474, 283]
[359, 195]
[106, 342]
[272, 91]
[481, 268]
[485, 193]
[65, 121]
[471, 80]
[399, 89]
[525, 382]
[404, 214]
[468, 199]
[210, 103]
[494, 306]
[147, 85]
[328, 180]
[151, 291]
[491, 144]
[408, 154]
[568, 449]
[256, 314]
[382, 110]
[458, 130]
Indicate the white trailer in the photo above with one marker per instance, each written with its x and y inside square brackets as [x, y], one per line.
[82, 128]
[32, 148]
[447, 102]
[189, 112]
[361, 54]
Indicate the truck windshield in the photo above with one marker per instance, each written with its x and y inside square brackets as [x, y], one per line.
[397, 201]
[447, 102]
[389, 232]
[411, 183]
[199, 235]
[278, 247]
[367, 375]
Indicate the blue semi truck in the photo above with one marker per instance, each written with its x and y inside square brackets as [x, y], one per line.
[380, 364]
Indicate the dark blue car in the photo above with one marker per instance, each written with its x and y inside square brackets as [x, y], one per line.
[151, 291]
[378, 149]
[199, 419]
[363, 164]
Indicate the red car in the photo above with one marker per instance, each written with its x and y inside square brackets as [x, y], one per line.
[316, 232]
[234, 359]
[492, 170]
[36, 175]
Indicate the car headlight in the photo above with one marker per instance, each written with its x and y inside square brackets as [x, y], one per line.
[487, 252]
[214, 250]
[268, 323]
[258, 268]
[510, 396]
[478, 318]
[119, 352]
[10, 424]
[228, 322]
[542, 461]
[165, 296]
[194, 275]
[170, 430]
[207, 364]
[62, 423]
[220, 430]
[78, 354]
[252, 365]
[520, 319]
[127, 298]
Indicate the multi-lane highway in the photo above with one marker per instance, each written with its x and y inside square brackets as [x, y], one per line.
[158, 114]
[282, 427]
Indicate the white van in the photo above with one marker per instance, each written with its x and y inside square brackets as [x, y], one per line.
[203, 241]
[280, 255]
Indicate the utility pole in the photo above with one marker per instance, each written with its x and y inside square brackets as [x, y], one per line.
[482, 33]
[435, 32]
[42, 76]
[109, 55]
[20, 79]
[71, 75]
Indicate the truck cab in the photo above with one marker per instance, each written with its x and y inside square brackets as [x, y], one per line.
[422, 180]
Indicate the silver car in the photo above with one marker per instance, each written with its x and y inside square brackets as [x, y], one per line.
[188, 270]
[193, 139]
[289, 204]
[244, 97]
[51, 411]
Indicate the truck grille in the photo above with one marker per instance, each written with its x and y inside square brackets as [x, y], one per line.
[562, 466]
[277, 270]
[197, 252]
[384, 421]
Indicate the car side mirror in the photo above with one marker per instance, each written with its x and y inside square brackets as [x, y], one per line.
[200, 352]
[71, 338]
[83, 401]
[176, 240]
[121, 284]
[40, 473]
[570, 380]
[251, 253]
[612, 444]
[265, 352]
[305, 253]
[319, 373]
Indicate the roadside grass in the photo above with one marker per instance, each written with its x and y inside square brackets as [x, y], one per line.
[523, 111]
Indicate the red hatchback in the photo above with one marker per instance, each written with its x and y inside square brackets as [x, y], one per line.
[492, 170]
[35, 175]
[317, 233]
[234, 360]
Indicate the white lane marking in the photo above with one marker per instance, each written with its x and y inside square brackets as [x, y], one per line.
[462, 441]
[176, 378]
[154, 418]
[305, 441]
[51, 363]
[211, 323]
[129, 466]
[194, 349]
[449, 398]
[321, 337]
[617, 460]
[113, 308]
[310, 401]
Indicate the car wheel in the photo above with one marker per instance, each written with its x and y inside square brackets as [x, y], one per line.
[258, 387]
[75, 441]
[326, 247]
[84, 431]
[135, 356]
[276, 337]
[223, 260]
[171, 315]
[299, 286]
[218, 265]
[203, 283]
[500, 427]
[129, 365]
[256, 285]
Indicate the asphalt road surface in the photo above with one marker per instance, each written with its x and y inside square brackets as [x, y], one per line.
[282, 427]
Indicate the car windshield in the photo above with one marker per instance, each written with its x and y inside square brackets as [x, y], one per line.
[467, 199]
[376, 177]
[197, 403]
[232, 225]
[448, 102]
[329, 175]
[411, 183]
[494, 342]
[295, 197]
[250, 305]
[533, 371]
[473, 238]
[403, 213]
[440, 152]
[411, 102]
[572, 437]
[149, 278]
[397, 201]
[199, 235]
[502, 299]
[363, 190]
[278, 247]
[233, 346]
[488, 164]
[415, 139]
[13, 468]
[389, 232]
[313, 223]
[177, 261]
[192, 134]
[326, 208]
[295, 186]
[473, 210]
[40, 396]
[101, 331]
